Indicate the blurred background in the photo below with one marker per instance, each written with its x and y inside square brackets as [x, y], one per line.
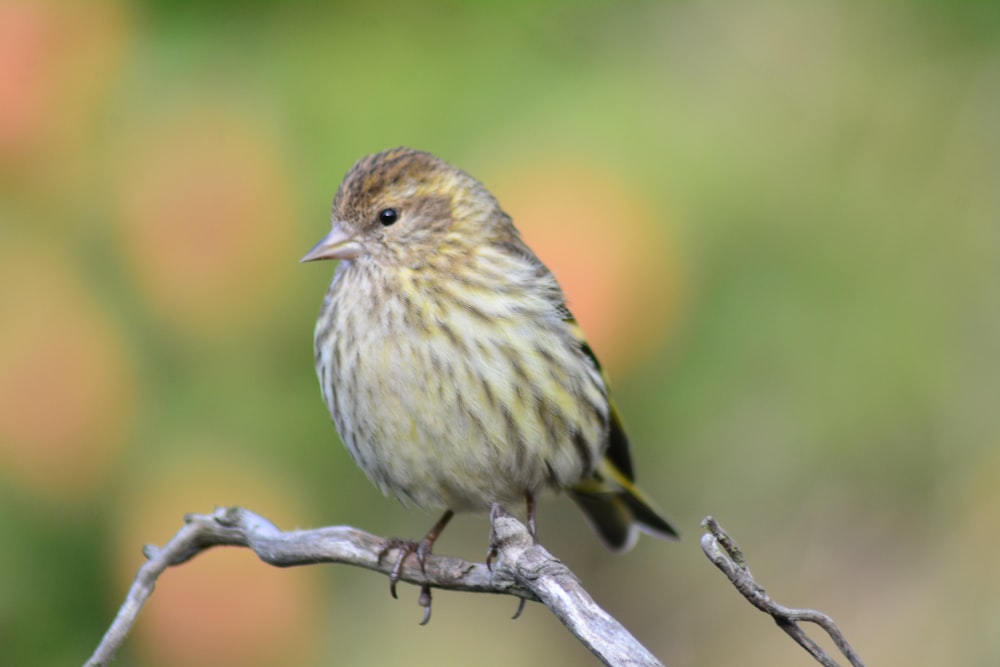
[777, 222]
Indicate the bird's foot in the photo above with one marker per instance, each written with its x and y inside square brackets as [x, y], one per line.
[421, 550]
[496, 511]
[405, 548]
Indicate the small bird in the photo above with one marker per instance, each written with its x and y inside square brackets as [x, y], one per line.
[455, 374]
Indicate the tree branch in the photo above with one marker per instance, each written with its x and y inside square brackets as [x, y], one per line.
[520, 568]
[722, 550]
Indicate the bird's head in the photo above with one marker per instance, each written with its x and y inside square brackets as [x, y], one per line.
[397, 206]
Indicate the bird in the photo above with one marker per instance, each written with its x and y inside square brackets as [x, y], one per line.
[452, 368]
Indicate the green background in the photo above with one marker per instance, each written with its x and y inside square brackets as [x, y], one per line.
[808, 349]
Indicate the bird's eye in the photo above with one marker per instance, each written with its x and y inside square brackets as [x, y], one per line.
[388, 216]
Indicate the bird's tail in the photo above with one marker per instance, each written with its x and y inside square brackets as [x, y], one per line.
[617, 510]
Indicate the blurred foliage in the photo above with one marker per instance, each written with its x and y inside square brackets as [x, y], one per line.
[778, 222]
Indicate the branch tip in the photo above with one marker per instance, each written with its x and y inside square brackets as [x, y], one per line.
[723, 551]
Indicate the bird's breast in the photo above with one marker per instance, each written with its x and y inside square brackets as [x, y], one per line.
[450, 397]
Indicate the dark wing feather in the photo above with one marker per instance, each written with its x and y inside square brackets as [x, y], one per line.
[619, 451]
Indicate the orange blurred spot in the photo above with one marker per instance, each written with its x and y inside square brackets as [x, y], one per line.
[56, 60]
[609, 249]
[207, 220]
[66, 390]
[27, 39]
[224, 607]
[229, 608]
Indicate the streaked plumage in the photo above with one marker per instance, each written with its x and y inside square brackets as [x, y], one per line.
[455, 374]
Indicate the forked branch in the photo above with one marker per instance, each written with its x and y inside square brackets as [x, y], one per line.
[520, 568]
[722, 550]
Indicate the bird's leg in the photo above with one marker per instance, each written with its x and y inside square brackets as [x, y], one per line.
[533, 531]
[532, 528]
[422, 549]
[495, 510]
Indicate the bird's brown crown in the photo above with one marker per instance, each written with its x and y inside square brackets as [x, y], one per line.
[399, 171]
[431, 198]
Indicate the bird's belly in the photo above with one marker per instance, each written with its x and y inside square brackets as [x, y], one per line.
[427, 446]
[440, 422]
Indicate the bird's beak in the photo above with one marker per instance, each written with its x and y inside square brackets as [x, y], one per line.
[338, 244]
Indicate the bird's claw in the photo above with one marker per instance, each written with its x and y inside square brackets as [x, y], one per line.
[421, 550]
[425, 601]
[405, 547]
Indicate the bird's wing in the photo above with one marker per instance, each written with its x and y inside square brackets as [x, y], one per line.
[619, 451]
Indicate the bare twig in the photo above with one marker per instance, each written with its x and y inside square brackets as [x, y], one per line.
[722, 550]
[520, 568]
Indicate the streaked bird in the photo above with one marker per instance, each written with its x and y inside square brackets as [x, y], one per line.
[455, 374]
